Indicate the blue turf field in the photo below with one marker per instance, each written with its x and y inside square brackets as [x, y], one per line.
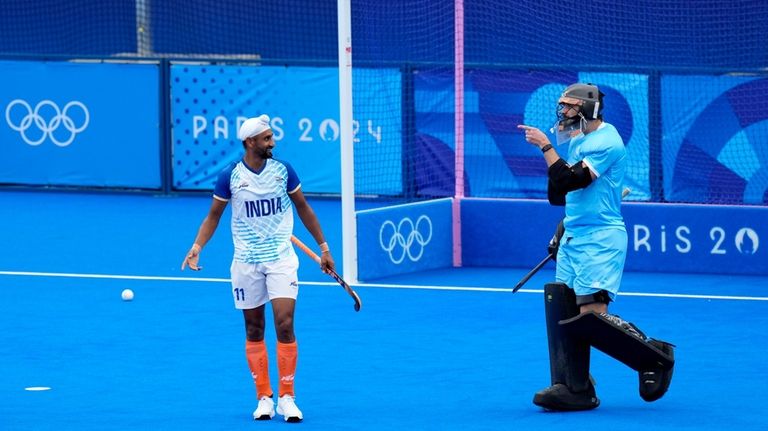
[429, 351]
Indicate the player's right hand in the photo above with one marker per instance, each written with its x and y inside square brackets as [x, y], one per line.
[326, 263]
[193, 256]
[534, 136]
[554, 243]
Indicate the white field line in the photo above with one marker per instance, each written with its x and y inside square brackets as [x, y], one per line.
[379, 285]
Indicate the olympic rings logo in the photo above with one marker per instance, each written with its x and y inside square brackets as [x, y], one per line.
[405, 238]
[47, 128]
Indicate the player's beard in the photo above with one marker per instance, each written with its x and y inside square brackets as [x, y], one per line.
[266, 153]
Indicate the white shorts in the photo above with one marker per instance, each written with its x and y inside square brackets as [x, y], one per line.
[254, 284]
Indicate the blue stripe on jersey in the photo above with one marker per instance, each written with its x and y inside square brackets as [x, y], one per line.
[293, 179]
[221, 189]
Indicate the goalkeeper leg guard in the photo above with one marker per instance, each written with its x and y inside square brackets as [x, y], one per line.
[652, 359]
[572, 388]
[655, 381]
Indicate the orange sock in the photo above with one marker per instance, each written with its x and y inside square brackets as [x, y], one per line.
[287, 354]
[256, 353]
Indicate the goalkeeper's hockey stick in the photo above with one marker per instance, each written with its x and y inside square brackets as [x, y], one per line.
[531, 272]
[538, 266]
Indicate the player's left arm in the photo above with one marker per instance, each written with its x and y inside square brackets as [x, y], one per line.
[311, 222]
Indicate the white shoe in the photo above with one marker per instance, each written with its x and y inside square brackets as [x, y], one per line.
[286, 406]
[265, 410]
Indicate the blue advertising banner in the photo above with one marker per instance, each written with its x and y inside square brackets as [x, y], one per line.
[404, 238]
[498, 162]
[504, 232]
[715, 239]
[75, 124]
[210, 102]
[662, 237]
[715, 130]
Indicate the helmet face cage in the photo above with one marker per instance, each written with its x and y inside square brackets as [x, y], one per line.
[565, 121]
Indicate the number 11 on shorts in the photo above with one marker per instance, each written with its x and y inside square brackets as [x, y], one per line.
[239, 294]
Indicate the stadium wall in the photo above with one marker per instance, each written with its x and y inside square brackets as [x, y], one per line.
[515, 233]
[662, 237]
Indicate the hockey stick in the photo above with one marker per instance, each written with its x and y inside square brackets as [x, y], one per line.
[536, 268]
[531, 272]
[332, 273]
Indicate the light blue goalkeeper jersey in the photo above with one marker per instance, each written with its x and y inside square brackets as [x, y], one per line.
[262, 212]
[599, 204]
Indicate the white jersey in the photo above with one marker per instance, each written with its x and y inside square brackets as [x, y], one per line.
[262, 211]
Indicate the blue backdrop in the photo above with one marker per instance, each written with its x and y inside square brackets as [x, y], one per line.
[498, 162]
[210, 102]
[714, 145]
[80, 124]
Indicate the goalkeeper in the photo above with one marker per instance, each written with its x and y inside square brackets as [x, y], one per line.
[587, 179]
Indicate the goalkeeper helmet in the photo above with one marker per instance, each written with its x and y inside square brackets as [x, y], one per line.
[578, 104]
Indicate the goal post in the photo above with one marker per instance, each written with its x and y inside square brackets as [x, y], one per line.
[348, 222]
